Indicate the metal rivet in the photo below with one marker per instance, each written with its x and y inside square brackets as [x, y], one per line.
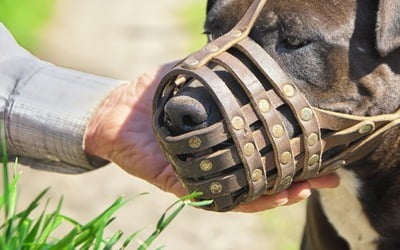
[264, 105]
[180, 80]
[191, 62]
[306, 114]
[278, 131]
[286, 180]
[288, 90]
[195, 142]
[367, 128]
[206, 165]
[313, 160]
[286, 157]
[237, 123]
[212, 48]
[216, 188]
[257, 175]
[249, 149]
[236, 33]
[312, 139]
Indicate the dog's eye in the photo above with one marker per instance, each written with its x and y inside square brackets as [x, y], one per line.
[294, 43]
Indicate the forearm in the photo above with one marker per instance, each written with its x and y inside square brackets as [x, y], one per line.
[46, 109]
[47, 116]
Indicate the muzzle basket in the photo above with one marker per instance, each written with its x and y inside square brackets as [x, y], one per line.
[251, 152]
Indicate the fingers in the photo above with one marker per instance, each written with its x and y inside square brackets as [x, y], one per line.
[327, 181]
[297, 192]
[264, 202]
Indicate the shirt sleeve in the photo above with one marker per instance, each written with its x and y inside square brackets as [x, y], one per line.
[46, 108]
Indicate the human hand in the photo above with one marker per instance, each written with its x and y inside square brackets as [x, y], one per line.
[121, 131]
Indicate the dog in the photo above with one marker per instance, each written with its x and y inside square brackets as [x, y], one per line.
[344, 56]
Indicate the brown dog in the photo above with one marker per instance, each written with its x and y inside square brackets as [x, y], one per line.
[344, 57]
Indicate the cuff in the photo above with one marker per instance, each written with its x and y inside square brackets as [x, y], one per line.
[47, 117]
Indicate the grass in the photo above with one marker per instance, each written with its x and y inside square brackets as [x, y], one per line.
[25, 18]
[282, 226]
[21, 231]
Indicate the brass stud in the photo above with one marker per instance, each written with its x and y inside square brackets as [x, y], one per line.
[212, 48]
[367, 128]
[237, 123]
[206, 165]
[180, 81]
[278, 131]
[287, 180]
[257, 175]
[249, 149]
[312, 140]
[195, 142]
[313, 160]
[286, 157]
[216, 187]
[264, 105]
[191, 62]
[306, 114]
[288, 90]
[236, 33]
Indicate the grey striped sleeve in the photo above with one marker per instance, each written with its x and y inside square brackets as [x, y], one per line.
[46, 109]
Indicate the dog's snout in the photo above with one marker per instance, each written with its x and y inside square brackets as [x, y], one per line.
[184, 114]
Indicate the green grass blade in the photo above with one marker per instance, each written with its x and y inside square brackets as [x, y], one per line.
[31, 237]
[161, 225]
[66, 240]
[70, 220]
[34, 204]
[51, 223]
[129, 239]
[4, 158]
[114, 239]
[199, 203]
[99, 238]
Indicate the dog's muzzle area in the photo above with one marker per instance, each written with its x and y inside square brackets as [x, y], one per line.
[235, 127]
[191, 108]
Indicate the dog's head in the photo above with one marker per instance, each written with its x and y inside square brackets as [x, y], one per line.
[342, 55]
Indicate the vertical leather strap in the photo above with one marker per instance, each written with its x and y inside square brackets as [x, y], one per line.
[268, 115]
[293, 97]
[239, 129]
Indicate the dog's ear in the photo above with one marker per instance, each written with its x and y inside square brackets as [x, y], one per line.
[210, 4]
[388, 26]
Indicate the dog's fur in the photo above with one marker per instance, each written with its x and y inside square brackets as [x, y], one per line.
[344, 56]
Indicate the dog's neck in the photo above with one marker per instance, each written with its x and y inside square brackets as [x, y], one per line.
[379, 186]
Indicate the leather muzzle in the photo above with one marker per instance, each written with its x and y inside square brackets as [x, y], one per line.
[250, 152]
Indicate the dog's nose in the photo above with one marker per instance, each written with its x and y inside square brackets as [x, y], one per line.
[184, 114]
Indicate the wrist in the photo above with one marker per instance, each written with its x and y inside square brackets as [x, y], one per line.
[101, 131]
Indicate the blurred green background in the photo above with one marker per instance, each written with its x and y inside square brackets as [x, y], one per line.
[27, 18]
[24, 18]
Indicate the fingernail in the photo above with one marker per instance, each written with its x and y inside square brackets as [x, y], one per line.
[281, 202]
[305, 194]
